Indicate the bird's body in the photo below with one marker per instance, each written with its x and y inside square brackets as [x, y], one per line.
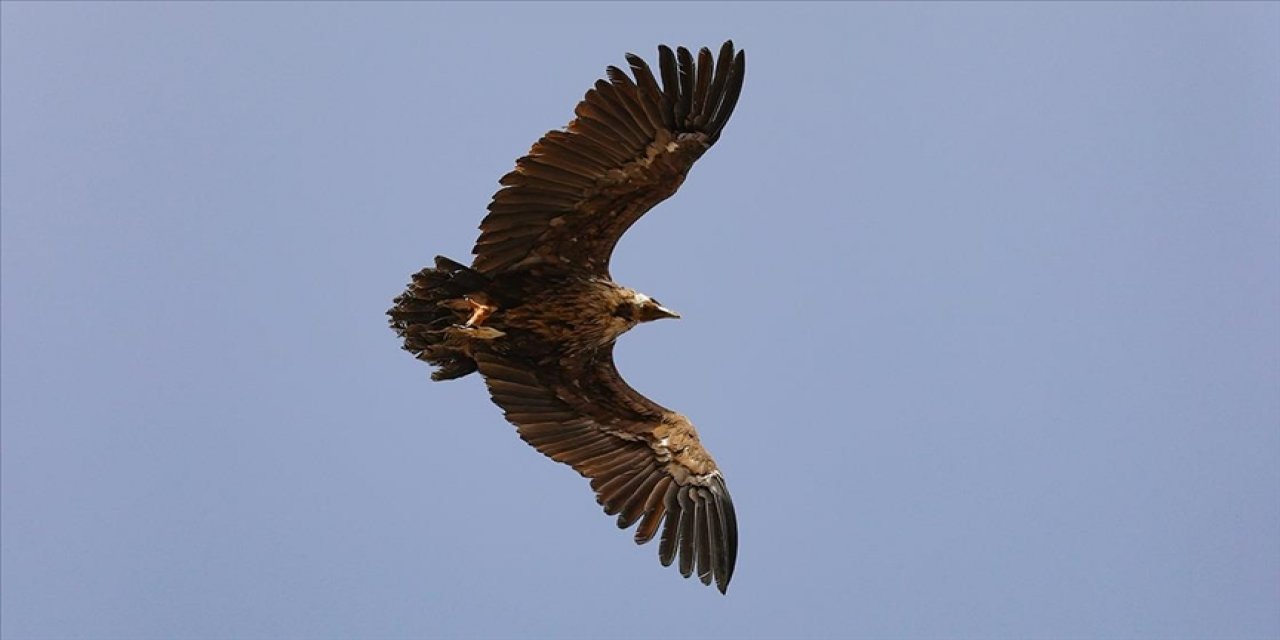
[537, 313]
[577, 315]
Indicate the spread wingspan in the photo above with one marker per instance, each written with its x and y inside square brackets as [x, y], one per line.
[537, 314]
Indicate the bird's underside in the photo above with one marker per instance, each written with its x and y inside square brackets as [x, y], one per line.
[537, 313]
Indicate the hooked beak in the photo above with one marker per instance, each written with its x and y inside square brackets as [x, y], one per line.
[651, 311]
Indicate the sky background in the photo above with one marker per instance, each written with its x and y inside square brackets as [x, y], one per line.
[981, 320]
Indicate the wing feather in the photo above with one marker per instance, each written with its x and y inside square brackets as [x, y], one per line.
[667, 544]
[582, 152]
[634, 507]
[651, 95]
[606, 464]
[509, 231]
[612, 495]
[595, 107]
[655, 507]
[685, 73]
[701, 545]
[729, 99]
[686, 532]
[628, 148]
[715, 539]
[667, 66]
[645, 463]
[701, 86]
[627, 94]
[615, 106]
[606, 141]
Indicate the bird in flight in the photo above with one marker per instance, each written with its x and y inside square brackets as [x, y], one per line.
[537, 312]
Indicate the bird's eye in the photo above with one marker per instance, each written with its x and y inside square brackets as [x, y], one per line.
[626, 311]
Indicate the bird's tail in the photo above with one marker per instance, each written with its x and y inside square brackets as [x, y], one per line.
[434, 302]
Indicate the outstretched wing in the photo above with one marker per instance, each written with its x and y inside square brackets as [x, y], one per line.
[645, 462]
[628, 149]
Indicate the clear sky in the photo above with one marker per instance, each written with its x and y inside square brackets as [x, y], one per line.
[981, 320]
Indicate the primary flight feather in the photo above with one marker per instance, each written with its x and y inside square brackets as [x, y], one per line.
[537, 313]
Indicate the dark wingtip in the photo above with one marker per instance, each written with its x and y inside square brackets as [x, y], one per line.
[732, 89]
[694, 99]
[729, 524]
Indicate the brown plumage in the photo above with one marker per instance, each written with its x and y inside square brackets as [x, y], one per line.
[537, 313]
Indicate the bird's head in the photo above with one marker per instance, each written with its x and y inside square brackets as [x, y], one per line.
[636, 307]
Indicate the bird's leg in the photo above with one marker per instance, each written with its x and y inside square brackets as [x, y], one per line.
[479, 311]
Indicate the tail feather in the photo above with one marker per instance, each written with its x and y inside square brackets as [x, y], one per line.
[428, 307]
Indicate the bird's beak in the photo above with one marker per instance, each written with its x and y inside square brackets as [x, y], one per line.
[650, 311]
[664, 312]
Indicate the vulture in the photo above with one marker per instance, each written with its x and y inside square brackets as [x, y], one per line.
[537, 313]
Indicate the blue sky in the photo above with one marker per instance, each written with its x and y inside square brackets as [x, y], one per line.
[981, 320]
